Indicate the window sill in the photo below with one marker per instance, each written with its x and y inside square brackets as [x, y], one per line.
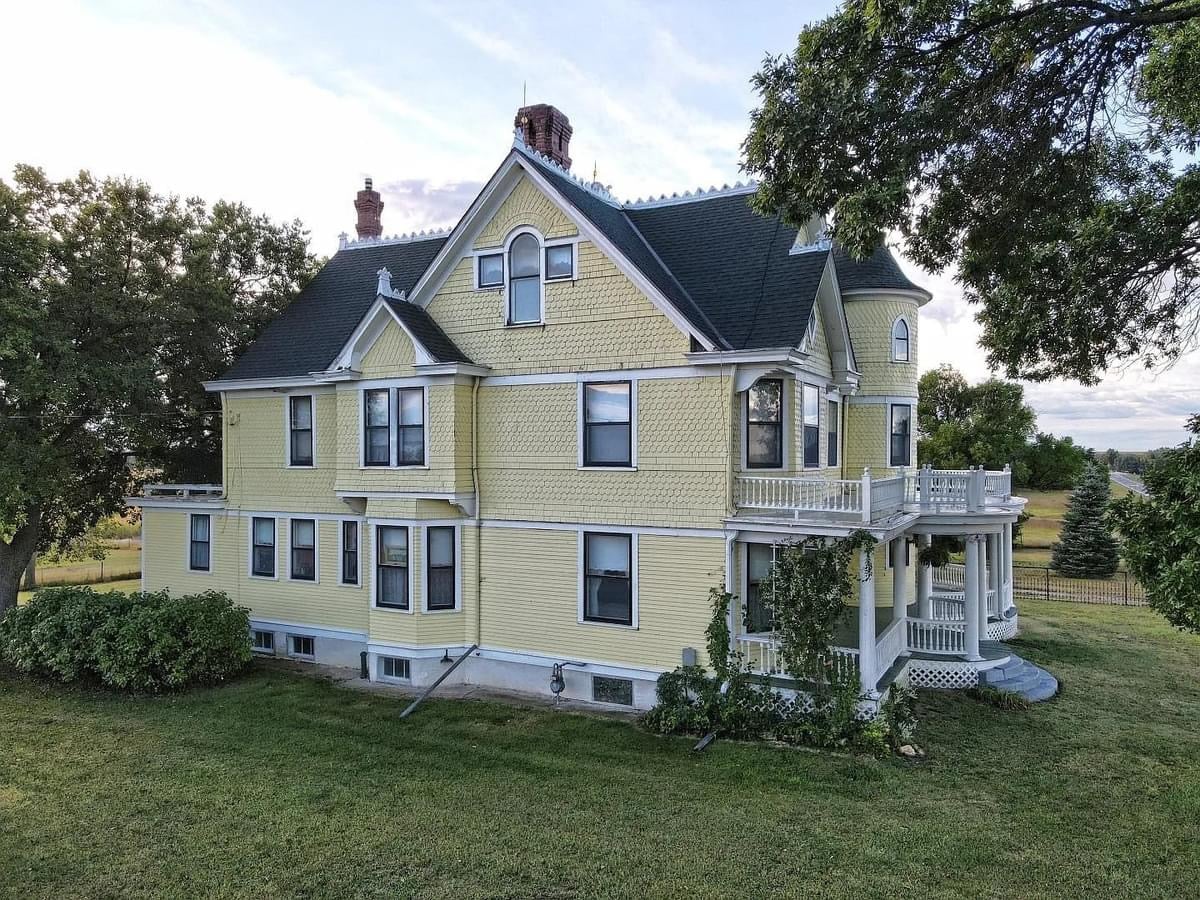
[308, 468]
[616, 625]
[346, 584]
[524, 324]
[607, 468]
[392, 609]
[290, 580]
[263, 577]
[416, 467]
[192, 571]
[441, 612]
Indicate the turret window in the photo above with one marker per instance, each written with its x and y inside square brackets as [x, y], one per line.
[900, 435]
[900, 349]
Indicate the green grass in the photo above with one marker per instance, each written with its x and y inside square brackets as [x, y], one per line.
[132, 584]
[1045, 510]
[280, 785]
[125, 559]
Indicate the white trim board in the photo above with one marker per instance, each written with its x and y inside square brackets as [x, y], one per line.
[339, 634]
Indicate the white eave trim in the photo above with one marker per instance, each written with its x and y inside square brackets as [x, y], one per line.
[250, 384]
[921, 295]
[784, 355]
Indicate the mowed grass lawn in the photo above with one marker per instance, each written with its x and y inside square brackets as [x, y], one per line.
[124, 559]
[284, 785]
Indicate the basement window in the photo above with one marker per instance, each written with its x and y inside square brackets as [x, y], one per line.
[395, 668]
[262, 641]
[302, 646]
[612, 690]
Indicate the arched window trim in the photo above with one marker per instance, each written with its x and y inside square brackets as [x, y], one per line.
[907, 339]
[508, 242]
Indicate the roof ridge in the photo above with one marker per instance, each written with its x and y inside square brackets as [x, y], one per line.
[700, 193]
[344, 242]
[594, 188]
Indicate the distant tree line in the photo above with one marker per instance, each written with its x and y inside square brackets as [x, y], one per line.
[990, 425]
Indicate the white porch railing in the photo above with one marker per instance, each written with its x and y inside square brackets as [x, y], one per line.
[761, 654]
[937, 637]
[184, 491]
[871, 499]
[797, 495]
[950, 607]
[889, 646]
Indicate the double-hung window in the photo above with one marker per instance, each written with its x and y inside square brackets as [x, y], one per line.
[300, 431]
[350, 553]
[764, 424]
[759, 560]
[560, 262]
[832, 451]
[303, 546]
[440, 579]
[262, 556]
[812, 426]
[377, 430]
[608, 578]
[607, 424]
[200, 543]
[524, 280]
[900, 434]
[394, 419]
[391, 566]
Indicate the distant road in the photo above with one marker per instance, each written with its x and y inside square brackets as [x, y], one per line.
[1129, 481]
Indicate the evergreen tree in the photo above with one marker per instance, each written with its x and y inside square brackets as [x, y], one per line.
[1086, 547]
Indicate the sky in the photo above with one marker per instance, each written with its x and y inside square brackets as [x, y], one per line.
[288, 106]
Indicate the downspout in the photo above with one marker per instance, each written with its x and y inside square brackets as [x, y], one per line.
[732, 438]
[478, 512]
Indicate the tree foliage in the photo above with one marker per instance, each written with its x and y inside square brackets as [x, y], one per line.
[1086, 547]
[115, 303]
[1052, 463]
[1161, 534]
[961, 425]
[1040, 147]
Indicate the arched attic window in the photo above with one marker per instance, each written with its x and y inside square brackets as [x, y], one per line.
[900, 352]
[524, 280]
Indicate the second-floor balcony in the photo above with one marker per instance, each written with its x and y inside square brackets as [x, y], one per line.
[874, 499]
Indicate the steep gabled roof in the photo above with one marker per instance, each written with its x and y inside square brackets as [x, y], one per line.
[422, 327]
[308, 335]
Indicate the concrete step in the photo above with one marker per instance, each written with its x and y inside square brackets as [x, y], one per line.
[1022, 677]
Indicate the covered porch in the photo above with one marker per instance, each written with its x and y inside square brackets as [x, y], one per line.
[938, 633]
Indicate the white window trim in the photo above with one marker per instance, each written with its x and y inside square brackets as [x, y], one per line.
[744, 579]
[341, 537]
[316, 579]
[573, 243]
[892, 339]
[822, 452]
[581, 577]
[633, 425]
[188, 544]
[250, 548]
[287, 429]
[488, 251]
[458, 573]
[392, 386]
[501, 250]
[412, 597]
[786, 411]
[887, 428]
[304, 656]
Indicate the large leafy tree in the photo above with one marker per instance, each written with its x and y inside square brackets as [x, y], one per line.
[1086, 547]
[115, 302]
[1161, 534]
[961, 424]
[1053, 463]
[1044, 148]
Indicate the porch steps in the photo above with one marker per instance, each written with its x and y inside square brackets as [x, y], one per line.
[1021, 677]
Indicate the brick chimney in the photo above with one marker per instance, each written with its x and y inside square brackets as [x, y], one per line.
[369, 207]
[547, 130]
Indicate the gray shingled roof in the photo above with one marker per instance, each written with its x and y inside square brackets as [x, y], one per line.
[726, 269]
[309, 334]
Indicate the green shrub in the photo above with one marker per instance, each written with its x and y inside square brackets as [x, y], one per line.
[137, 642]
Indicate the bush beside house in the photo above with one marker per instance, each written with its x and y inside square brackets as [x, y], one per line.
[136, 642]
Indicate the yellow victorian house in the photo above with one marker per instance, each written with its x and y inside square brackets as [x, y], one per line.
[542, 437]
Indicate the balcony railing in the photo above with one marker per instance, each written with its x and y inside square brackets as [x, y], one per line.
[871, 499]
[184, 491]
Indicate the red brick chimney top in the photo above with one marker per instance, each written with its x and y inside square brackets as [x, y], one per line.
[547, 130]
[369, 206]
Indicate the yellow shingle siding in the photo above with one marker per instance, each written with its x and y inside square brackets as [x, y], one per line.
[525, 206]
[256, 471]
[391, 356]
[531, 589]
[529, 456]
[866, 438]
[323, 604]
[870, 320]
[818, 352]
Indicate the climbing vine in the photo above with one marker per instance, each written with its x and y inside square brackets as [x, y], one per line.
[812, 581]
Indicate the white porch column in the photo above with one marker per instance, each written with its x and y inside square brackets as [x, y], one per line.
[924, 580]
[899, 550]
[866, 624]
[983, 583]
[995, 557]
[1006, 541]
[973, 597]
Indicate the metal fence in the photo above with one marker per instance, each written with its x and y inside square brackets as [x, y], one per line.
[1041, 583]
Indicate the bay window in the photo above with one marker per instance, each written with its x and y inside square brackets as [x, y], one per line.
[394, 427]
[832, 450]
[377, 428]
[764, 424]
[440, 578]
[759, 560]
[811, 397]
[391, 566]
